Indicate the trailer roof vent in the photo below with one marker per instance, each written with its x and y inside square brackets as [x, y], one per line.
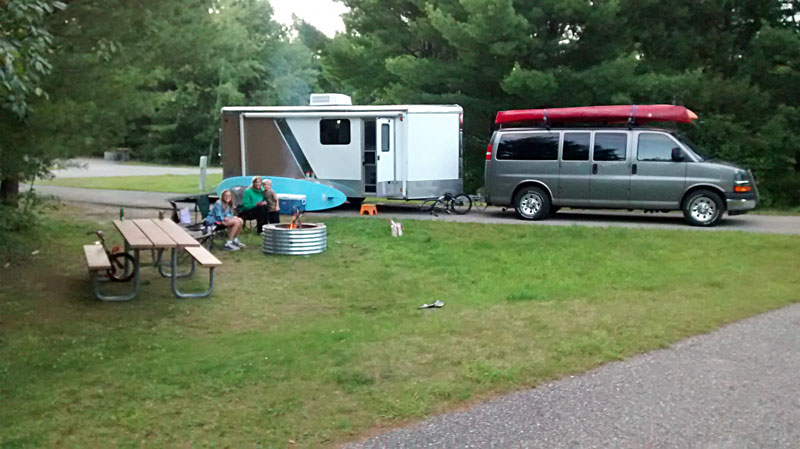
[330, 100]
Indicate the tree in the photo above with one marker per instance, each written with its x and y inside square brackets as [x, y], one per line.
[25, 44]
[153, 75]
[734, 63]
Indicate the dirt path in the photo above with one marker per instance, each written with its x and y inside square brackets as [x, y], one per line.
[768, 224]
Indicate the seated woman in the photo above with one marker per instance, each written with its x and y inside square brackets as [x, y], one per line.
[222, 213]
[253, 204]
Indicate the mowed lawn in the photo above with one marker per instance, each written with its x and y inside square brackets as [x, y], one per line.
[157, 183]
[313, 351]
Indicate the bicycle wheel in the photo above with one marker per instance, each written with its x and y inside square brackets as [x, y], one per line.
[461, 204]
[121, 267]
[428, 205]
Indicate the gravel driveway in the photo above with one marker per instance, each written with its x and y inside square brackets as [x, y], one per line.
[734, 388]
[768, 224]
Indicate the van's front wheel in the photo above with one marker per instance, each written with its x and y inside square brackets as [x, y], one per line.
[532, 203]
[703, 208]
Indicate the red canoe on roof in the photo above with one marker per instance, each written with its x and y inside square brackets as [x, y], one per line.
[616, 114]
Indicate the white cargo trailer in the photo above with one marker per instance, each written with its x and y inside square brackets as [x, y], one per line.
[397, 151]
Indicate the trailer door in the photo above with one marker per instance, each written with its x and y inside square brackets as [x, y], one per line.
[385, 137]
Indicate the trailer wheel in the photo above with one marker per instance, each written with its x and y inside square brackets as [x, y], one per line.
[355, 201]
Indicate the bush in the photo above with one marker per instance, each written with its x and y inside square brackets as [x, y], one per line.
[20, 223]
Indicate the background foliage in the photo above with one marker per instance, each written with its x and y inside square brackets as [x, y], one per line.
[152, 75]
[25, 43]
[735, 63]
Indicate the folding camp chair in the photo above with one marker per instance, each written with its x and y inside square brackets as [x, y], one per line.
[202, 232]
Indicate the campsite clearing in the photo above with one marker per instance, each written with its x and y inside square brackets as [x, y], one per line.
[321, 349]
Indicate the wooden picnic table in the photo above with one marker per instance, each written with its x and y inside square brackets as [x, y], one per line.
[158, 235]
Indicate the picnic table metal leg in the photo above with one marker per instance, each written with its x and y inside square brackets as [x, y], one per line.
[96, 283]
[174, 268]
[178, 293]
[127, 250]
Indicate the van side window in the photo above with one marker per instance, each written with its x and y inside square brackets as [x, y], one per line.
[655, 147]
[540, 146]
[576, 147]
[334, 131]
[610, 146]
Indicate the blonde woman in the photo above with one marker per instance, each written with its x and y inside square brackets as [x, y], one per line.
[253, 204]
[222, 215]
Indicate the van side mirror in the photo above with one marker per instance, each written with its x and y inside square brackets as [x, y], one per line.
[677, 155]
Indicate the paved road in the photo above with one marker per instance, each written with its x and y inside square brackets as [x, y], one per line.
[748, 223]
[157, 200]
[736, 387]
[92, 168]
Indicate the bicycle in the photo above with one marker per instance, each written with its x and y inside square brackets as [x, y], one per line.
[122, 263]
[459, 204]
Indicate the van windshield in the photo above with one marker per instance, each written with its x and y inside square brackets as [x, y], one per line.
[692, 146]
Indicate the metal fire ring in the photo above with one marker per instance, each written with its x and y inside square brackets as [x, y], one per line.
[310, 238]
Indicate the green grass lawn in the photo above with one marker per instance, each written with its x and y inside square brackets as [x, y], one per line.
[792, 211]
[318, 350]
[160, 183]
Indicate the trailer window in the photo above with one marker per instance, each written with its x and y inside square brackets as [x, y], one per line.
[334, 131]
[528, 147]
[385, 137]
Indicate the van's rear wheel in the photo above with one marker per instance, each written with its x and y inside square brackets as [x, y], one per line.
[532, 203]
[703, 208]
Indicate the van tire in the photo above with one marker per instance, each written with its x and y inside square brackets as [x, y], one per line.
[532, 203]
[703, 208]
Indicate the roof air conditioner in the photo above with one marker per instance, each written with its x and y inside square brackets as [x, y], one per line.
[330, 100]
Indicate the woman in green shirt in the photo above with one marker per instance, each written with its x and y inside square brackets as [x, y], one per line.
[253, 204]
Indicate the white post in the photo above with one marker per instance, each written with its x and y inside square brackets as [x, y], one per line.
[203, 165]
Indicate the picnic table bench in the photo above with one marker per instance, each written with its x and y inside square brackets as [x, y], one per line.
[156, 235]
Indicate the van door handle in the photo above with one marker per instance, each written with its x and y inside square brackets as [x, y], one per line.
[633, 169]
[594, 169]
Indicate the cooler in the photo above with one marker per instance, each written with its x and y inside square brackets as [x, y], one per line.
[289, 203]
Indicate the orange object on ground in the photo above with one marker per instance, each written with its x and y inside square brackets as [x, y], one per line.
[369, 209]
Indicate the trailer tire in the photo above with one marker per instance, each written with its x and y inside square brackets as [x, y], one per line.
[355, 201]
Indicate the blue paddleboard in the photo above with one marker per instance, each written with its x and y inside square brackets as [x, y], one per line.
[318, 196]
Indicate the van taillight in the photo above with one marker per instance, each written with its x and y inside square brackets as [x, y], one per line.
[489, 152]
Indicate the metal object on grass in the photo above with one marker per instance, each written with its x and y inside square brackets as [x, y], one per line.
[304, 239]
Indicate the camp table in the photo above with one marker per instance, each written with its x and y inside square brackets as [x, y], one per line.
[158, 235]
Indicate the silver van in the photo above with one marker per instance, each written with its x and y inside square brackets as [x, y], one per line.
[539, 170]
